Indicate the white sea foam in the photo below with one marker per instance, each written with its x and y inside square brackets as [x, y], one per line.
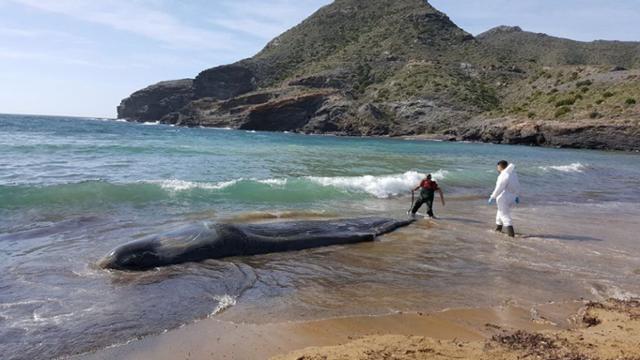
[274, 182]
[440, 174]
[571, 168]
[19, 303]
[383, 186]
[224, 302]
[610, 291]
[379, 186]
[151, 123]
[182, 185]
[175, 185]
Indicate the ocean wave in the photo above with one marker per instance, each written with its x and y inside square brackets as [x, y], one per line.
[274, 182]
[384, 186]
[271, 190]
[175, 185]
[182, 185]
[571, 168]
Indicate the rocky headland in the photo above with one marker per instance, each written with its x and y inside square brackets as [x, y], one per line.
[402, 68]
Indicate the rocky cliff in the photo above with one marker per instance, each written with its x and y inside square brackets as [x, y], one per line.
[402, 68]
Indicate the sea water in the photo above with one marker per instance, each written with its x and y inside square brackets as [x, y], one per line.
[71, 189]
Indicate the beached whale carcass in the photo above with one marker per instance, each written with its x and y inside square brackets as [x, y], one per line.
[218, 240]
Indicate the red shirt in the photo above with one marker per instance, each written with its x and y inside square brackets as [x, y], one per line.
[429, 185]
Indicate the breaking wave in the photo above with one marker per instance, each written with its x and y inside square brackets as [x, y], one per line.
[378, 186]
[571, 168]
[182, 185]
[276, 190]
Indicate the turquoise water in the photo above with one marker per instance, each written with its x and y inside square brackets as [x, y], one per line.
[63, 164]
[71, 189]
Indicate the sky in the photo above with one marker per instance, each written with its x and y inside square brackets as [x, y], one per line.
[81, 57]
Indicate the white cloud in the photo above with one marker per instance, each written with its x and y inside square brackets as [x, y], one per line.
[137, 18]
[12, 54]
[49, 58]
[49, 35]
[256, 28]
[265, 19]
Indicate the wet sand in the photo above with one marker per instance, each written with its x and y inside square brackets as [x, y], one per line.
[215, 339]
[574, 330]
[538, 285]
[608, 330]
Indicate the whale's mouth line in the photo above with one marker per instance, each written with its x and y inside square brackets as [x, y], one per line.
[221, 240]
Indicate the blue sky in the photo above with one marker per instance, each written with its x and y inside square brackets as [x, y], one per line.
[81, 57]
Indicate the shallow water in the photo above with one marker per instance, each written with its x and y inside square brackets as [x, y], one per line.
[72, 189]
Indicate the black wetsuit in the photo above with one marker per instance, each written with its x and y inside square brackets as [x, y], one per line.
[428, 189]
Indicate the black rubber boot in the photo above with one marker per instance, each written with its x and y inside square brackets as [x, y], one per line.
[498, 228]
[510, 231]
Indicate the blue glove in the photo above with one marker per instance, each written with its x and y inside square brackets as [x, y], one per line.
[491, 201]
[517, 200]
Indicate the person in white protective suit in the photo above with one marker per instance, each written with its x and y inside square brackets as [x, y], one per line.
[506, 194]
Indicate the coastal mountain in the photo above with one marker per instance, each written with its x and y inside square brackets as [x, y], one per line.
[402, 68]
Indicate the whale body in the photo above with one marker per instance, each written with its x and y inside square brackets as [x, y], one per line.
[203, 241]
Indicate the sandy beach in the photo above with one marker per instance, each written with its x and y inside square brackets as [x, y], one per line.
[523, 326]
[573, 330]
[607, 330]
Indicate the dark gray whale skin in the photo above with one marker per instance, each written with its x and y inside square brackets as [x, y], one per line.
[214, 241]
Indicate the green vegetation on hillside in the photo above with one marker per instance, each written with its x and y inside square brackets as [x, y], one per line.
[400, 67]
[595, 92]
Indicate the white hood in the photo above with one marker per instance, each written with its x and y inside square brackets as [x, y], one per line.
[507, 183]
[510, 169]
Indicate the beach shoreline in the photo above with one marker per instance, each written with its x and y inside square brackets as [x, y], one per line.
[600, 330]
[218, 339]
[274, 327]
[575, 239]
[608, 328]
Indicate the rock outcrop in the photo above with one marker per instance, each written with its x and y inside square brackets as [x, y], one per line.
[586, 134]
[224, 82]
[154, 102]
[402, 68]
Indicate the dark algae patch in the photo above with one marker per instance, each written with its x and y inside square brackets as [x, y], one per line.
[574, 344]
[630, 308]
[616, 336]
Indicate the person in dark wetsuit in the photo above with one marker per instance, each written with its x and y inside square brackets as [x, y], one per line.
[427, 189]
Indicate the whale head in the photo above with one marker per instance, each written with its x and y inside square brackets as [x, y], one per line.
[186, 244]
[139, 255]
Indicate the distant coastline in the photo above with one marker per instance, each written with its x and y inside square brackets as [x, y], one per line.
[506, 85]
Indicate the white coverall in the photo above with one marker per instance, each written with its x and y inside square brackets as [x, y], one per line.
[505, 194]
